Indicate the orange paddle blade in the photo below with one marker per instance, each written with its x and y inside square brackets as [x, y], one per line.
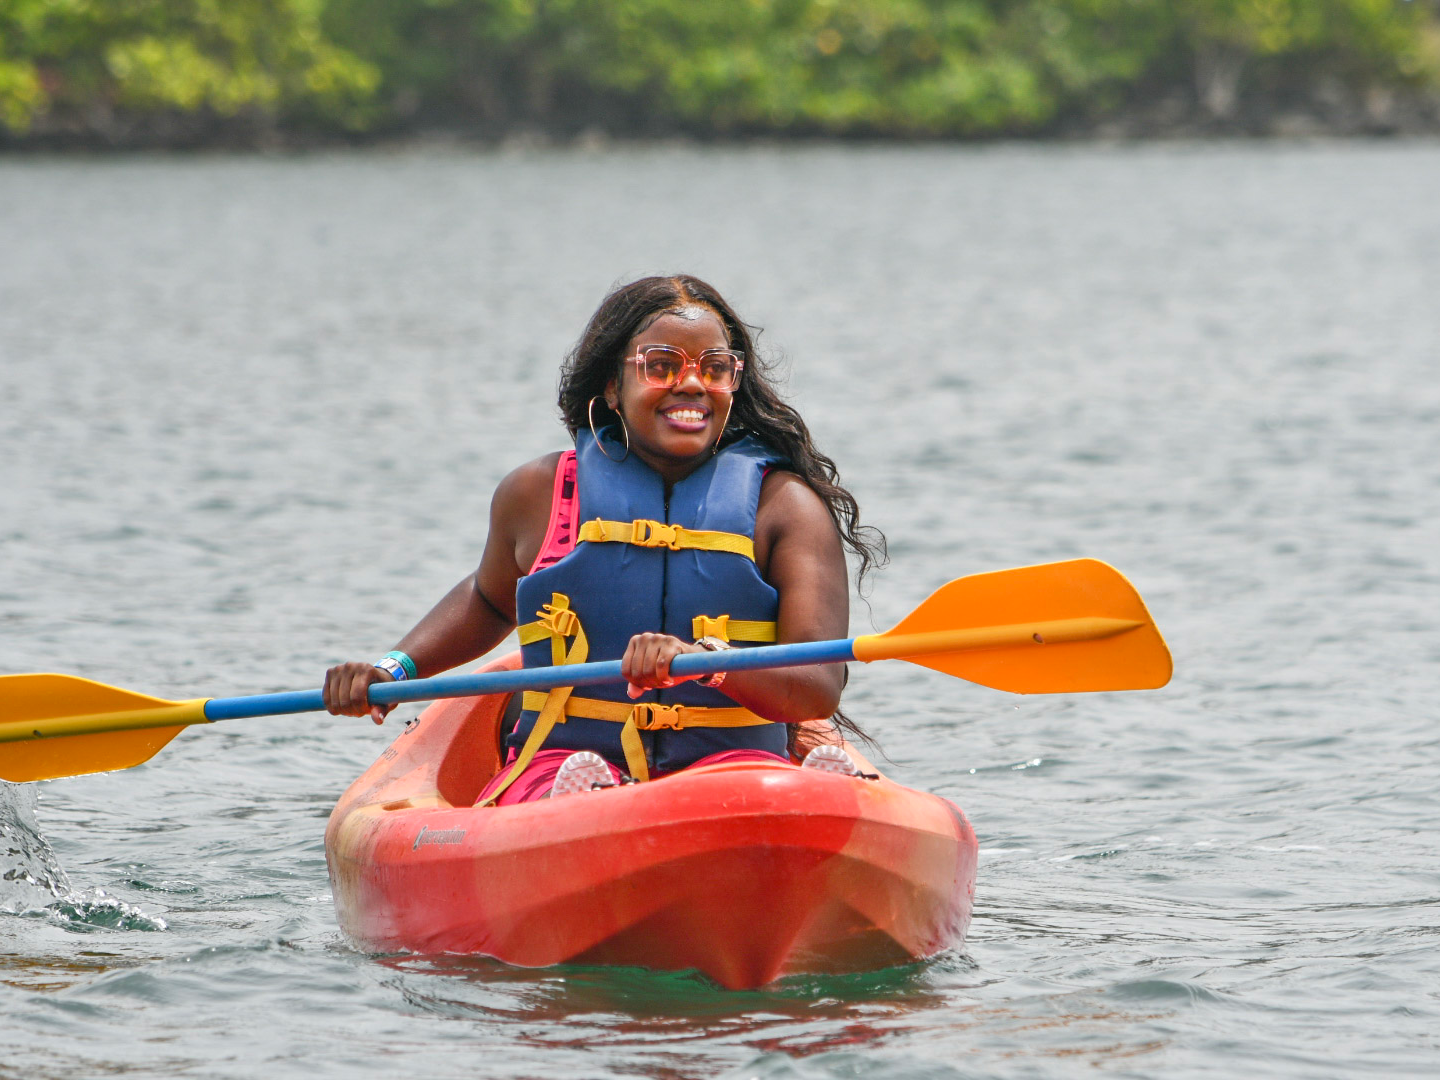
[61, 725]
[1059, 628]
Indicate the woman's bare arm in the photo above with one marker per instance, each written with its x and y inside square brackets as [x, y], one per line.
[474, 616]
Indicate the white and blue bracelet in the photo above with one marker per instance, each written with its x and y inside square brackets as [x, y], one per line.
[400, 666]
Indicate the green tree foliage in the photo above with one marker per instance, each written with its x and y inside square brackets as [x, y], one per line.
[1281, 43]
[91, 58]
[903, 66]
[909, 67]
[916, 67]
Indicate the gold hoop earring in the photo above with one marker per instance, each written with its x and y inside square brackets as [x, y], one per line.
[729, 409]
[590, 412]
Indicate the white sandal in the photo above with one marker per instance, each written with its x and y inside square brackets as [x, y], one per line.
[582, 771]
[829, 758]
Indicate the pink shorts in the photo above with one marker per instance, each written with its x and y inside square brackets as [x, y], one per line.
[535, 782]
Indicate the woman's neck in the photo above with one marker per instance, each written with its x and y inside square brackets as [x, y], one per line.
[669, 470]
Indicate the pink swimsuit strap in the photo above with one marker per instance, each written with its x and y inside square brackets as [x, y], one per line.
[560, 535]
[564, 510]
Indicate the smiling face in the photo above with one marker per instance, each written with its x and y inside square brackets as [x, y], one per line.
[672, 430]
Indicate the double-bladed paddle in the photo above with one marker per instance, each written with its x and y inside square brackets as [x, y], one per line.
[1062, 627]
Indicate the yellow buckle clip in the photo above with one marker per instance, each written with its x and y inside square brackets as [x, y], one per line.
[651, 717]
[703, 626]
[647, 533]
[560, 620]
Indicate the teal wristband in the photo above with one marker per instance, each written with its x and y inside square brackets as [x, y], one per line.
[411, 672]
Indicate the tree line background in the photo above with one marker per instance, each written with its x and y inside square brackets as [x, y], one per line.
[180, 72]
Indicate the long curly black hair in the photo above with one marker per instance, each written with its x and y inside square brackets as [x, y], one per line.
[756, 407]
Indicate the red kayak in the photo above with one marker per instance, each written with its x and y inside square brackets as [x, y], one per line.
[746, 872]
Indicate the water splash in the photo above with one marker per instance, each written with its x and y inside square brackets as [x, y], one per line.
[34, 885]
[98, 911]
[28, 867]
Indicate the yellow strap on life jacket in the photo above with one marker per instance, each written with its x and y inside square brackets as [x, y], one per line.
[647, 716]
[557, 622]
[728, 629]
[646, 533]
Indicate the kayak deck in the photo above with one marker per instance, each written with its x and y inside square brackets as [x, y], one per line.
[746, 872]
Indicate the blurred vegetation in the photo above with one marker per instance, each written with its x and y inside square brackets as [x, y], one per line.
[176, 69]
[102, 66]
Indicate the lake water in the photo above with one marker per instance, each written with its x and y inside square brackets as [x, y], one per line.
[251, 413]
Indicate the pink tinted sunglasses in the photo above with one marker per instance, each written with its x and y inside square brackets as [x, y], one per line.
[666, 366]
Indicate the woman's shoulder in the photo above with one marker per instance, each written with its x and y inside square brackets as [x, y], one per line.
[524, 494]
[790, 510]
[531, 478]
[788, 491]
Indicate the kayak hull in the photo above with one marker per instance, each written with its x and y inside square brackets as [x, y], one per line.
[745, 872]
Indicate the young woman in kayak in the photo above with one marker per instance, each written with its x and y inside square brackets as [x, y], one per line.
[694, 514]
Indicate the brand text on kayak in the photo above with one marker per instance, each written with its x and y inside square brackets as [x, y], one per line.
[427, 835]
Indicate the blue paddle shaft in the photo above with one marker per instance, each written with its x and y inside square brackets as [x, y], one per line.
[799, 654]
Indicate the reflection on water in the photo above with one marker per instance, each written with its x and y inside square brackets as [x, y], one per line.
[690, 1021]
[50, 973]
[665, 996]
[630, 1011]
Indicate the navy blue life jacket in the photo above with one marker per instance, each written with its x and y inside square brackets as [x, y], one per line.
[619, 589]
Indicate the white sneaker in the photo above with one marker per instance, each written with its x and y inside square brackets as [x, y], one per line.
[581, 771]
[830, 759]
